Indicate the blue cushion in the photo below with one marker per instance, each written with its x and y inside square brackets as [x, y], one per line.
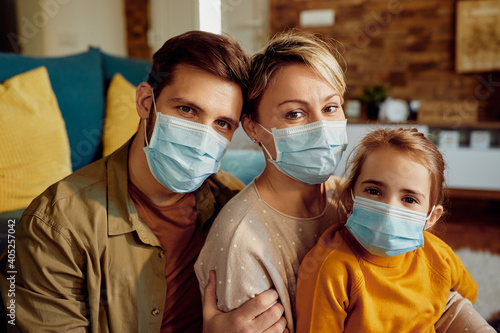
[134, 70]
[77, 82]
[245, 164]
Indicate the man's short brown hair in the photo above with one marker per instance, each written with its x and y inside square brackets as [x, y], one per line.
[216, 54]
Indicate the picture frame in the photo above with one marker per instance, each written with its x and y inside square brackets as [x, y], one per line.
[477, 36]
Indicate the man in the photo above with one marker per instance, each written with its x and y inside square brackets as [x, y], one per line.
[112, 246]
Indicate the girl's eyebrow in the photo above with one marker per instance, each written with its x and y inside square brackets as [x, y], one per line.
[416, 193]
[382, 184]
[374, 182]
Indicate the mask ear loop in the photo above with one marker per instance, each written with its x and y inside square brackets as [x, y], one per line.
[263, 146]
[145, 129]
[428, 217]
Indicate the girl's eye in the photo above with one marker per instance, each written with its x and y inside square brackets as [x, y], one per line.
[372, 191]
[294, 115]
[410, 200]
[186, 109]
[331, 108]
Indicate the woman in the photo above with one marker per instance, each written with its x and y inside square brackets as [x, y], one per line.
[295, 114]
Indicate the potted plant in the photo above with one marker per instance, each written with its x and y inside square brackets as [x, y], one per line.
[372, 96]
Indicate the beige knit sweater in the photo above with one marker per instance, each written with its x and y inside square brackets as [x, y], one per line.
[254, 247]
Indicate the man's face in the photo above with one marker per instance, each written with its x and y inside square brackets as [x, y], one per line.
[203, 98]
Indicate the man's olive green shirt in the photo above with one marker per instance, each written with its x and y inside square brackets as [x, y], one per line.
[85, 261]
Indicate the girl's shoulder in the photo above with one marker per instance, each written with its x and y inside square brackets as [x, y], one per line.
[333, 252]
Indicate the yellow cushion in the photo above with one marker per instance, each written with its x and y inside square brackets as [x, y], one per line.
[121, 120]
[34, 152]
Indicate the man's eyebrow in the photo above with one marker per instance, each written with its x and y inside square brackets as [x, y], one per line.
[231, 121]
[304, 102]
[185, 102]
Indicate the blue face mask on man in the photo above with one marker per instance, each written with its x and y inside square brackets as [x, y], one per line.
[385, 230]
[309, 153]
[182, 154]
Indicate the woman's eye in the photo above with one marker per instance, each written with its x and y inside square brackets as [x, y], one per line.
[331, 108]
[186, 109]
[294, 115]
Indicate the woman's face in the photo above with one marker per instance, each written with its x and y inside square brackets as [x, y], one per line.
[295, 96]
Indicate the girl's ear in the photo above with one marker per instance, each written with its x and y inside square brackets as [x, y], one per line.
[436, 214]
[249, 126]
[347, 201]
[143, 99]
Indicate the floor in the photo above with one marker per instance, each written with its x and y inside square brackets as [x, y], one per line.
[471, 223]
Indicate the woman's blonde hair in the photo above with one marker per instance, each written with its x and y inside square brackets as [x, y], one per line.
[406, 141]
[293, 46]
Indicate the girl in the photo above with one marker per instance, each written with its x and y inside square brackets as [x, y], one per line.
[382, 272]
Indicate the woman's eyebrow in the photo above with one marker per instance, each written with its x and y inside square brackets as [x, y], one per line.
[304, 102]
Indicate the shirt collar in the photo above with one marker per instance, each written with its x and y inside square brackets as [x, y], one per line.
[122, 214]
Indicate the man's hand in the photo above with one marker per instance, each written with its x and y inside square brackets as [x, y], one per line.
[251, 317]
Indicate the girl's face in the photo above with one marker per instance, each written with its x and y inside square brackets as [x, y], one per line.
[391, 177]
[295, 96]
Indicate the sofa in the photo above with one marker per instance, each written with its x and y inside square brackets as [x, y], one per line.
[58, 115]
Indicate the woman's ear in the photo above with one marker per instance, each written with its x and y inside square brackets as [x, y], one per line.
[143, 99]
[249, 126]
[436, 214]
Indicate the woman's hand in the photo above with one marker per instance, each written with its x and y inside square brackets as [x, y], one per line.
[260, 314]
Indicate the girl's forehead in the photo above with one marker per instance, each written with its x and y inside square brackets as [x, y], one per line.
[392, 166]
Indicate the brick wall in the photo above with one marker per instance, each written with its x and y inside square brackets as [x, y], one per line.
[137, 17]
[408, 45]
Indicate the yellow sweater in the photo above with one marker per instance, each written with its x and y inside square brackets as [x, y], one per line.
[343, 288]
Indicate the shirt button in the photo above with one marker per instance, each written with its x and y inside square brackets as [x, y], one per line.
[161, 254]
[155, 312]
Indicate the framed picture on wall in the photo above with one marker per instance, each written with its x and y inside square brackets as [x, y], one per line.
[478, 36]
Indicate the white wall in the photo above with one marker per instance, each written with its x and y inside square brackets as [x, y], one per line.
[63, 27]
[169, 18]
[246, 20]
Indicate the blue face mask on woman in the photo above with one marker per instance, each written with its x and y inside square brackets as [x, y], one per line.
[385, 230]
[309, 153]
[182, 154]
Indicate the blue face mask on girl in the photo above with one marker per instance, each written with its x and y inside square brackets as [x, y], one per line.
[309, 153]
[385, 230]
[182, 154]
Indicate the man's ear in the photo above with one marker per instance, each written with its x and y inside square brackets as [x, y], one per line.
[249, 126]
[143, 99]
[436, 214]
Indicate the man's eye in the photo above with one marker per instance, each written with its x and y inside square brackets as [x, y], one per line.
[186, 109]
[223, 124]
